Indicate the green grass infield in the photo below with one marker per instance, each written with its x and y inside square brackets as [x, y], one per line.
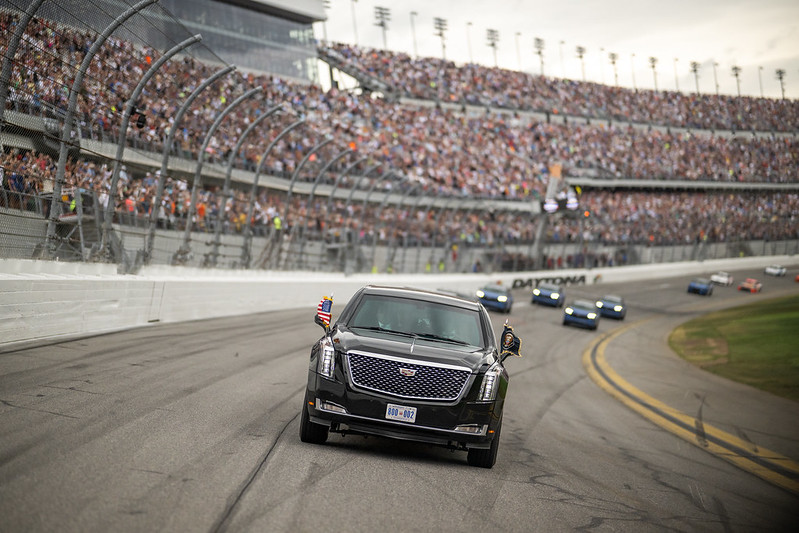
[756, 344]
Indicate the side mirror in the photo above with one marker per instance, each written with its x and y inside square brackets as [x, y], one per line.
[510, 345]
[323, 311]
[318, 320]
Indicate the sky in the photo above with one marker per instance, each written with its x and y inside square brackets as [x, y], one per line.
[759, 36]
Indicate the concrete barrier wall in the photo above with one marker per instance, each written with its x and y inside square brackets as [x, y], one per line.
[45, 300]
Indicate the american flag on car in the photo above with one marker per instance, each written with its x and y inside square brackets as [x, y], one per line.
[324, 308]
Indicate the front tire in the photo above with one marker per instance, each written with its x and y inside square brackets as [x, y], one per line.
[309, 431]
[488, 457]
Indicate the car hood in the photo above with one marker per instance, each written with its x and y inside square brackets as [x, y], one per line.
[423, 350]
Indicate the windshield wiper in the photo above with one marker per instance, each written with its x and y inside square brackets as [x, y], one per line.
[384, 330]
[444, 339]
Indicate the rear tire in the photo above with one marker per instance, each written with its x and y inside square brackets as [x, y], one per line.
[309, 431]
[488, 457]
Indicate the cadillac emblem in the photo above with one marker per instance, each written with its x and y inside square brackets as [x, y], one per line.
[408, 372]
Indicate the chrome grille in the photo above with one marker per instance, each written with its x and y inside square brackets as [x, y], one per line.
[385, 374]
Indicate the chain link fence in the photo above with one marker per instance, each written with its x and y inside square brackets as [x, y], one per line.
[125, 139]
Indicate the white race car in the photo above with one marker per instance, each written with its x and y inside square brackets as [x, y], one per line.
[722, 278]
[775, 270]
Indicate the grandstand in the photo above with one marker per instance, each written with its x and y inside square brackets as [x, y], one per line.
[296, 177]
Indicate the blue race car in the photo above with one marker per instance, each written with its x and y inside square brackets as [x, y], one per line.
[581, 313]
[612, 306]
[701, 286]
[548, 294]
[496, 297]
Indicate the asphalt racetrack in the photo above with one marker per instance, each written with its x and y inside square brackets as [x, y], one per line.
[194, 427]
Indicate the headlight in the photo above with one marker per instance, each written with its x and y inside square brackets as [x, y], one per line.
[555, 295]
[618, 308]
[490, 385]
[502, 298]
[536, 292]
[327, 358]
[591, 316]
[599, 304]
[568, 310]
[480, 294]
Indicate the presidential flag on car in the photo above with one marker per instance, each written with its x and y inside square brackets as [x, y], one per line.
[323, 310]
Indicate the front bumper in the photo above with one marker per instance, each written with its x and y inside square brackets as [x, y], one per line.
[547, 300]
[495, 305]
[435, 421]
[580, 321]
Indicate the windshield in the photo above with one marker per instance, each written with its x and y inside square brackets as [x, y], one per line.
[419, 318]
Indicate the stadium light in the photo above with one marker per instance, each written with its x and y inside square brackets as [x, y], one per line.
[493, 38]
[539, 49]
[613, 56]
[601, 65]
[676, 78]
[781, 76]
[760, 79]
[715, 77]
[632, 70]
[653, 61]
[518, 51]
[469, 41]
[695, 70]
[413, 34]
[581, 54]
[736, 72]
[382, 18]
[441, 26]
[354, 23]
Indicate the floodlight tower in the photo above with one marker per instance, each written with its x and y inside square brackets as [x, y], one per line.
[613, 56]
[581, 54]
[538, 43]
[441, 26]
[382, 18]
[781, 76]
[695, 70]
[653, 61]
[493, 38]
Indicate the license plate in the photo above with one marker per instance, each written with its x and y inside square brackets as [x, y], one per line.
[401, 413]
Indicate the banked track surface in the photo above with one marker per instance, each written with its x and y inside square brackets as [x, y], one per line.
[193, 427]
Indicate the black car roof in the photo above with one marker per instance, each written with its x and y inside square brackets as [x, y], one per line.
[422, 294]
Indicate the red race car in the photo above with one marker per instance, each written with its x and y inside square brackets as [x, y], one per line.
[750, 285]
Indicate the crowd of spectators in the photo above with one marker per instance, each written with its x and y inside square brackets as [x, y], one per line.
[446, 152]
[437, 79]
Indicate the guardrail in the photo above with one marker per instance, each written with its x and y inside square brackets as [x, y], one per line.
[45, 301]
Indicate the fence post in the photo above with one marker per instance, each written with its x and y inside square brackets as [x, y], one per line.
[110, 207]
[182, 255]
[245, 247]
[226, 188]
[66, 132]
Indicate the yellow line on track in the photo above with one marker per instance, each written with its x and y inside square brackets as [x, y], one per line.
[766, 464]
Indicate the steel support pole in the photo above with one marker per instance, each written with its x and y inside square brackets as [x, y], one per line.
[228, 173]
[311, 196]
[392, 253]
[387, 173]
[110, 207]
[66, 132]
[182, 254]
[377, 221]
[435, 229]
[405, 244]
[11, 51]
[341, 175]
[159, 194]
[294, 177]
[245, 248]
